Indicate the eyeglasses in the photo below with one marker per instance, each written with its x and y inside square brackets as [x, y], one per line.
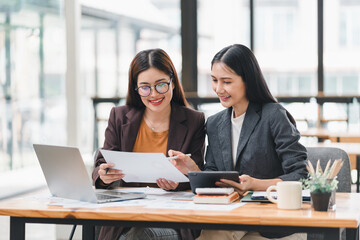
[161, 88]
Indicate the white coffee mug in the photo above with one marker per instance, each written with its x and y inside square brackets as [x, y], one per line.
[289, 194]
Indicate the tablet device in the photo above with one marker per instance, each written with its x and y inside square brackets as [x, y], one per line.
[207, 179]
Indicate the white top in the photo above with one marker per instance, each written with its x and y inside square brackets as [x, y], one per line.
[236, 125]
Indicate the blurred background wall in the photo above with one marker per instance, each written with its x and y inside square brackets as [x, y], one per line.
[309, 51]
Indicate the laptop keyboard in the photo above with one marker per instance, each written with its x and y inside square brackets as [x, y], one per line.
[112, 193]
[104, 197]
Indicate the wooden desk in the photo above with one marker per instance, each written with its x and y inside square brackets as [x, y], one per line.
[251, 217]
[323, 134]
[352, 149]
[346, 137]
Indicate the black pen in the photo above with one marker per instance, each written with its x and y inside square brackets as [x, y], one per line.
[106, 170]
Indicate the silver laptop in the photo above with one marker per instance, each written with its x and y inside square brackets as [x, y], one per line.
[66, 176]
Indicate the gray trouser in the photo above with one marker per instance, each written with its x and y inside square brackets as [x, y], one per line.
[150, 234]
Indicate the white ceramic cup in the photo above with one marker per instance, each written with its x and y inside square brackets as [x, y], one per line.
[289, 194]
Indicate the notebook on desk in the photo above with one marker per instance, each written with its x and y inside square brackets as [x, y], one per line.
[66, 176]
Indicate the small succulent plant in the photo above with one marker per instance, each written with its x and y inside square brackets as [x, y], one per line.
[320, 181]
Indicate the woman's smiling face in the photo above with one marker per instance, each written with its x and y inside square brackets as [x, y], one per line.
[156, 102]
[229, 86]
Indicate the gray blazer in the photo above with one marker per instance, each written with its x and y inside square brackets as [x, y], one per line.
[268, 146]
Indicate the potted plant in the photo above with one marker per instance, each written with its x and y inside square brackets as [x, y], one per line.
[322, 184]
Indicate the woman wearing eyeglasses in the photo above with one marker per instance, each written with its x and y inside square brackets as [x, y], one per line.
[156, 118]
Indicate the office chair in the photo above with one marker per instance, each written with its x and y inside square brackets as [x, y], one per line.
[344, 176]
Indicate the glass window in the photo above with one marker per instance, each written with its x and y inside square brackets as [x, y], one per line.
[304, 84]
[350, 84]
[32, 95]
[284, 84]
[220, 24]
[341, 68]
[330, 85]
[111, 35]
[335, 116]
[305, 114]
[341, 47]
[283, 31]
[286, 45]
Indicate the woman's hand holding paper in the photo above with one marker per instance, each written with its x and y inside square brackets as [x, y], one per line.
[166, 184]
[108, 174]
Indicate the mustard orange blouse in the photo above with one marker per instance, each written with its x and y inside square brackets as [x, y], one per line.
[149, 141]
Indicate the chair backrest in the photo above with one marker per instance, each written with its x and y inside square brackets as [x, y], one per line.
[326, 153]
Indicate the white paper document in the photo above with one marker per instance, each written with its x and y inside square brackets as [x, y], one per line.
[156, 198]
[144, 167]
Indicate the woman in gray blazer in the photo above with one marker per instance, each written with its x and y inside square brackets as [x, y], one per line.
[255, 135]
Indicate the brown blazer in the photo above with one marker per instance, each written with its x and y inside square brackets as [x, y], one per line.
[186, 134]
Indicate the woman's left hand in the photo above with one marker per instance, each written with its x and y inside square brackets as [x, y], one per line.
[246, 183]
[166, 184]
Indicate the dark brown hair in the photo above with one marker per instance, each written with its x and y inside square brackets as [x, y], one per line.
[242, 61]
[156, 58]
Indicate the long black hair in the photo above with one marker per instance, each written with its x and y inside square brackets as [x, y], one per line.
[242, 61]
[159, 59]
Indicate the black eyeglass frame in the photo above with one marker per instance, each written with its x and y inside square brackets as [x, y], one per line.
[151, 87]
